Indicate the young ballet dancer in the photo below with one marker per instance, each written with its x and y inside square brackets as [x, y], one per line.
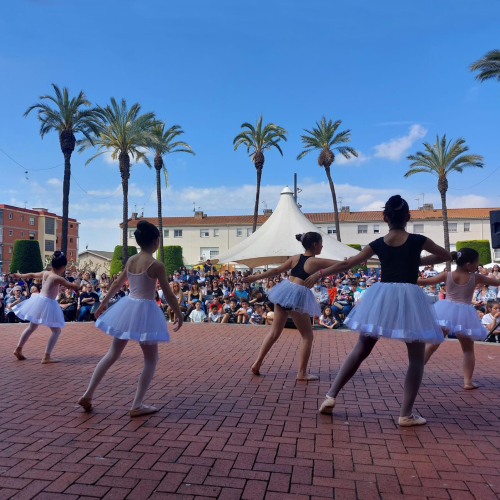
[291, 297]
[42, 308]
[136, 317]
[456, 313]
[395, 308]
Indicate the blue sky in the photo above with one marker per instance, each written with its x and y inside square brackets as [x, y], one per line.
[396, 74]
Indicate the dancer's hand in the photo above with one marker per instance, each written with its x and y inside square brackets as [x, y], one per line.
[312, 280]
[250, 279]
[178, 323]
[100, 310]
[16, 276]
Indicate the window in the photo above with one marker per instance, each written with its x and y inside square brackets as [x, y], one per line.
[50, 227]
[1, 235]
[214, 253]
[453, 248]
[165, 233]
[11, 233]
[466, 227]
[332, 230]
[376, 229]
[10, 249]
[204, 233]
[71, 254]
[497, 254]
[208, 253]
[22, 234]
[452, 227]
[71, 240]
[363, 229]
[131, 233]
[177, 233]
[418, 228]
[22, 218]
[249, 231]
[216, 233]
[71, 226]
[11, 216]
[32, 221]
[32, 236]
[239, 232]
[49, 245]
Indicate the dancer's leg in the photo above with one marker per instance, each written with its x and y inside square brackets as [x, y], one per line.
[303, 324]
[280, 317]
[350, 366]
[430, 349]
[24, 338]
[469, 362]
[416, 355]
[111, 357]
[50, 346]
[150, 352]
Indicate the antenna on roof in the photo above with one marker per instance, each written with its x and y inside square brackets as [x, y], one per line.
[25, 204]
[194, 206]
[418, 203]
[264, 203]
[142, 211]
[423, 198]
[340, 201]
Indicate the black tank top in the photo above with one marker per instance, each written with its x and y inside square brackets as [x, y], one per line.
[400, 264]
[298, 271]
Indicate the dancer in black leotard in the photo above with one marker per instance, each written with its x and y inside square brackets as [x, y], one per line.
[291, 297]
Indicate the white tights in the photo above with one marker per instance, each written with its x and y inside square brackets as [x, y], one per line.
[31, 328]
[150, 352]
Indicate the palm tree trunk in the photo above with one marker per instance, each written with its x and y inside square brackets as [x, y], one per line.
[65, 200]
[257, 196]
[335, 207]
[158, 196]
[124, 161]
[443, 187]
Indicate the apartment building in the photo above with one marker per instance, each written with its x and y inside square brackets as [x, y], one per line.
[202, 237]
[36, 224]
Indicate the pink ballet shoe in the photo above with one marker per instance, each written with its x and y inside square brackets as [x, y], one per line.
[143, 410]
[19, 355]
[85, 403]
[327, 406]
[50, 360]
[307, 377]
[411, 421]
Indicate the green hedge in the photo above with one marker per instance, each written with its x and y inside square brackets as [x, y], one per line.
[116, 261]
[26, 257]
[357, 247]
[172, 258]
[481, 246]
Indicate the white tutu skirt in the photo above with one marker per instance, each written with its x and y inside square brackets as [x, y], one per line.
[398, 311]
[141, 320]
[294, 297]
[460, 319]
[41, 311]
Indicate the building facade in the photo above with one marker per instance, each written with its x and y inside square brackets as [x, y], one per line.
[96, 261]
[203, 237]
[36, 224]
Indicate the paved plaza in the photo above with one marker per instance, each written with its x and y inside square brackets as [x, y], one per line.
[224, 433]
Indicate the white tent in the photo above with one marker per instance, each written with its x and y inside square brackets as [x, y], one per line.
[274, 242]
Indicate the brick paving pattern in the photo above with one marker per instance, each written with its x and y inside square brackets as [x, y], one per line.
[224, 433]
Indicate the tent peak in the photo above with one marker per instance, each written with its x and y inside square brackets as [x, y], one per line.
[286, 190]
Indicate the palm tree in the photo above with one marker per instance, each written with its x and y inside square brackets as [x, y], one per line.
[488, 66]
[257, 140]
[323, 138]
[441, 159]
[165, 145]
[126, 134]
[67, 118]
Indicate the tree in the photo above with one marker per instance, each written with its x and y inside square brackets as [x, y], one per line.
[67, 118]
[482, 247]
[323, 138]
[441, 159]
[26, 257]
[257, 140]
[126, 134]
[117, 259]
[165, 145]
[488, 66]
[173, 258]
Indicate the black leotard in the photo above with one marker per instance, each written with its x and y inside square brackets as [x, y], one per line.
[298, 271]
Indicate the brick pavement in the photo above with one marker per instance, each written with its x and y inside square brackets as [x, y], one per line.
[224, 433]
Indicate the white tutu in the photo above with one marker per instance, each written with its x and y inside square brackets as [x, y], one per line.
[398, 311]
[294, 297]
[41, 311]
[135, 319]
[460, 319]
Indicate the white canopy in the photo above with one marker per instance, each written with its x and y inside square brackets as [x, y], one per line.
[274, 242]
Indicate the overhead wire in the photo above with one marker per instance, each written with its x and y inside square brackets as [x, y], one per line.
[29, 169]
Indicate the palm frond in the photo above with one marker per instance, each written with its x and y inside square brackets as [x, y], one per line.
[488, 66]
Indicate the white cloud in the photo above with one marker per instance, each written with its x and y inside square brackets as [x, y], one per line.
[396, 148]
[55, 182]
[471, 201]
[342, 160]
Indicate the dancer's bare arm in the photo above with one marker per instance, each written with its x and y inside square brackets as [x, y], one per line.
[76, 285]
[171, 299]
[434, 280]
[439, 253]
[485, 280]
[28, 276]
[115, 287]
[269, 274]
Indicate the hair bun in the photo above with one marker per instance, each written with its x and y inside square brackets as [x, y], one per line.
[298, 237]
[57, 254]
[454, 256]
[143, 225]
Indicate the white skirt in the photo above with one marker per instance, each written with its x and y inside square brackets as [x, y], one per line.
[141, 320]
[460, 319]
[294, 297]
[41, 311]
[398, 311]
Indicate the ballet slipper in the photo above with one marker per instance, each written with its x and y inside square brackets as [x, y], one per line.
[143, 410]
[19, 355]
[50, 360]
[85, 403]
[471, 386]
[307, 377]
[411, 421]
[255, 371]
[327, 406]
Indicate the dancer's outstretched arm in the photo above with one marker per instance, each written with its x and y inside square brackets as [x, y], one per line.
[76, 285]
[28, 276]
[434, 280]
[438, 253]
[113, 290]
[269, 274]
[485, 280]
[171, 299]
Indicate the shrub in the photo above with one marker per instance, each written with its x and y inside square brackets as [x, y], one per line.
[117, 260]
[172, 258]
[26, 257]
[357, 247]
[481, 246]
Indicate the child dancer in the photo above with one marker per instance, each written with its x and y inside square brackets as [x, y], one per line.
[395, 308]
[291, 297]
[42, 308]
[456, 314]
[136, 317]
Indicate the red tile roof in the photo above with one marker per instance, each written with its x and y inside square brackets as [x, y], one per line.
[244, 220]
[34, 212]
